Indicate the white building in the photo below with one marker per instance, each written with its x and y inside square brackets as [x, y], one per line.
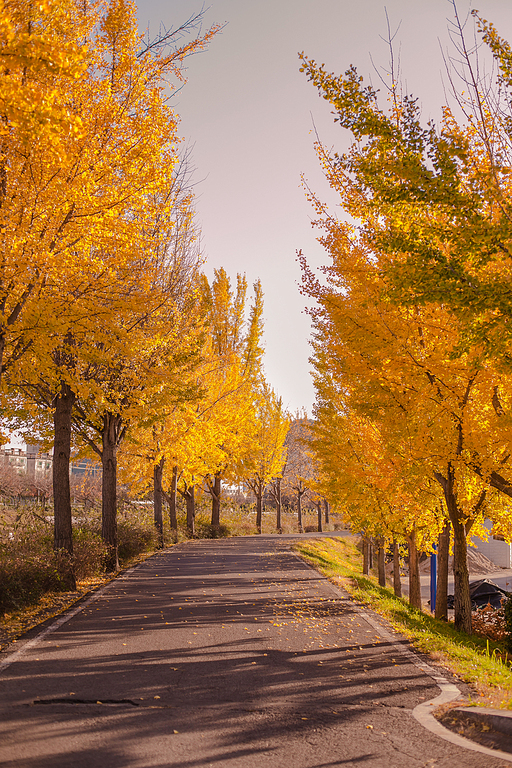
[29, 462]
[33, 463]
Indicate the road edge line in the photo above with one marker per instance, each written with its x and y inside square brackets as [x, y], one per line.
[63, 618]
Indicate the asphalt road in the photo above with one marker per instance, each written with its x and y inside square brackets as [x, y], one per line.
[220, 653]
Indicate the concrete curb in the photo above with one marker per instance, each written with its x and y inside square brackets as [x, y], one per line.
[423, 713]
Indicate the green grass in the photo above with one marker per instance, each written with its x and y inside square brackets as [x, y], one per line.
[471, 658]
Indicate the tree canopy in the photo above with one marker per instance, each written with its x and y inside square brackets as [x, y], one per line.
[412, 324]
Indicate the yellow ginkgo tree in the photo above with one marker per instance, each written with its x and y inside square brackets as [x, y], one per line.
[435, 414]
[43, 50]
[264, 461]
[81, 275]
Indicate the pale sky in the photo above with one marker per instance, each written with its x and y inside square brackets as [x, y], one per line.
[249, 115]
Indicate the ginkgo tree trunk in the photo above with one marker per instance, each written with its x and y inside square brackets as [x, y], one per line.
[274, 489]
[63, 532]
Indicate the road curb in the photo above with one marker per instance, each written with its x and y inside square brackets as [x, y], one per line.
[493, 726]
[423, 713]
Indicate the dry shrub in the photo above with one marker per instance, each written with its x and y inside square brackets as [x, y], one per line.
[28, 565]
[490, 622]
[205, 530]
[136, 533]
[507, 618]
[89, 552]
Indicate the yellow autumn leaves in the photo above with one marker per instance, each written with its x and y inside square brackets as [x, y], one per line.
[412, 324]
[109, 331]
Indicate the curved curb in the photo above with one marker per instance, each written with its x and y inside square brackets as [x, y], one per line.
[424, 716]
[449, 691]
[500, 720]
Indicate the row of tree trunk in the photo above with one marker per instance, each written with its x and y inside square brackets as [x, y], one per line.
[214, 487]
[443, 549]
[111, 434]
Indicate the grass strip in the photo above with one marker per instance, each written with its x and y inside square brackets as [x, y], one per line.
[473, 659]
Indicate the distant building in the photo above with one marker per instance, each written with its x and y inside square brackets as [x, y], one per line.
[85, 467]
[36, 464]
[29, 462]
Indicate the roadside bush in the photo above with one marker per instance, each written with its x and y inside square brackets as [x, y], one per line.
[28, 565]
[23, 581]
[136, 533]
[89, 552]
[490, 622]
[205, 530]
